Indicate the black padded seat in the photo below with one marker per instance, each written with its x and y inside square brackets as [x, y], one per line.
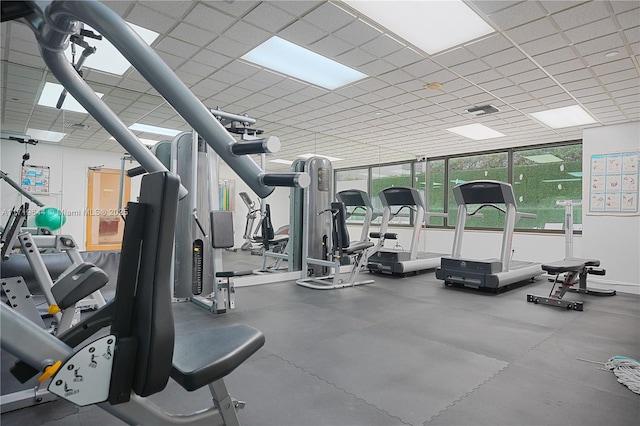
[567, 265]
[356, 247]
[587, 262]
[205, 356]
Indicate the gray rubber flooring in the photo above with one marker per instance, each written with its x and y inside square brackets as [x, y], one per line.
[410, 351]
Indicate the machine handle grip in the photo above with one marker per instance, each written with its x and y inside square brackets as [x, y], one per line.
[299, 180]
[266, 145]
[136, 171]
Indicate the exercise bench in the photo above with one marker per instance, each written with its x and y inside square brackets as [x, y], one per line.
[568, 273]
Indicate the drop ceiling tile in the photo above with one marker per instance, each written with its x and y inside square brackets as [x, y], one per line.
[329, 17]
[582, 14]
[211, 59]
[376, 68]
[531, 31]
[268, 17]
[485, 76]
[555, 56]
[247, 34]
[382, 46]
[25, 59]
[302, 33]
[228, 47]
[423, 69]
[591, 31]
[456, 56]
[396, 76]
[358, 33]
[268, 77]
[195, 68]
[190, 34]
[630, 18]
[489, 45]
[543, 45]
[404, 57]
[564, 67]
[577, 75]
[296, 7]
[235, 8]
[610, 42]
[581, 84]
[490, 86]
[355, 58]
[619, 76]
[633, 36]
[175, 9]
[331, 46]
[504, 57]
[150, 19]
[613, 66]
[517, 67]
[518, 14]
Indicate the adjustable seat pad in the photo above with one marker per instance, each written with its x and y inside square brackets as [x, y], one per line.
[357, 247]
[587, 262]
[567, 265]
[205, 356]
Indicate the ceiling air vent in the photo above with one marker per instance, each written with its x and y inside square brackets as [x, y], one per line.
[483, 110]
[77, 126]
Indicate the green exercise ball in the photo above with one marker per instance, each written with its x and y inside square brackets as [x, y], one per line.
[50, 218]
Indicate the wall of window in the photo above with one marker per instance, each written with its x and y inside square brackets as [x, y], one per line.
[540, 176]
[492, 166]
[387, 176]
[353, 179]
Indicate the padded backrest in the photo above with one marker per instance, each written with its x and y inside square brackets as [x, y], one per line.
[152, 314]
[341, 233]
[143, 319]
[267, 227]
[221, 229]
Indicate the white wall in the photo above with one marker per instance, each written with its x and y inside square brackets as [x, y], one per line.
[68, 181]
[615, 240]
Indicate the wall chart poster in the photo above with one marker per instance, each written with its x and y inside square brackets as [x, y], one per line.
[613, 185]
[35, 179]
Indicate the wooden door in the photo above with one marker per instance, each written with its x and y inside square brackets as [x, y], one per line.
[105, 225]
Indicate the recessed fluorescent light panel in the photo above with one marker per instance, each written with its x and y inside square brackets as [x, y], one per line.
[51, 93]
[107, 58]
[281, 161]
[148, 142]
[544, 158]
[290, 59]
[476, 132]
[307, 156]
[432, 26]
[45, 135]
[564, 117]
[153, 129]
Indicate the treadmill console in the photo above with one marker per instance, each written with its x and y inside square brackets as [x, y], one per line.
[484, 192]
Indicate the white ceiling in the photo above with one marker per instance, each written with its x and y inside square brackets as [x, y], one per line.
[543, 54]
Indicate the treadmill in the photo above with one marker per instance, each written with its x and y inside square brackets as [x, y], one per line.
[354, 200]
[488, 273]
[396, 262]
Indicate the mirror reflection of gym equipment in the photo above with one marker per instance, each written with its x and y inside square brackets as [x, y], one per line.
[399, 261]
[325, 237]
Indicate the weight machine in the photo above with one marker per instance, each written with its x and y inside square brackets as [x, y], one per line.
[142, 351]
[325, 238]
